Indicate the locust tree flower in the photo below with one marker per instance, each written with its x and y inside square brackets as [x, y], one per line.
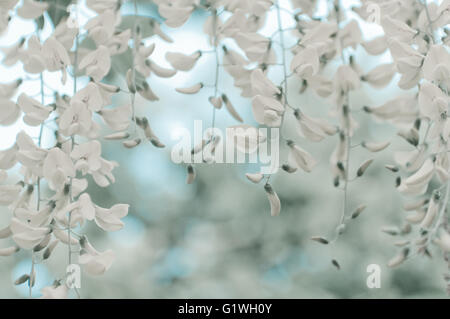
[90, 96]
[267, 110]
[97, 63]
[56, 57]
[7, 90]
[436, 66]
[183, 62]
[57, 168]
[313, 129]
[13, 53]
[101, 6]
[306, 63]
[96, 263]
[9, 112]
[261, 85]
[300, 158]
[408, 62]
[417, 183]
[9, 194]
[110, 219]
[117, 118]
[102, 27]
[29, 154]
[26, 236]
[35, 112]
[32, 9]
[87, 156]
[77, 119]
[177, 12]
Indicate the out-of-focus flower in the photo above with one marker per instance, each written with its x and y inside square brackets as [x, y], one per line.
[32, 9]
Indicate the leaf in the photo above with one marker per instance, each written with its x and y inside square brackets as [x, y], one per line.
[144, 24]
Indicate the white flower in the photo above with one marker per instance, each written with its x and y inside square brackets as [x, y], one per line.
[436, 66]
[100, 6]
[109, 219]
[267, 110]
[32, 58]
[255, 46]
[118, 43]
[101, 28]
[9, 112]
[444, 241]
[13, 53]
[376, 46]
[9, 194]
[408, 62]
[433, 103]
[55, 56]
[314, 129]
[81, 210]
[398, 29]
[97, 63]
[400, 110]
[381, 75]
[275, 205]
[417, 183]
[351, 35]
[103, 176]
[7, 90]
[26, 236]
[30, 155]
[305, 63]
[300, 158]
[64, 34]
[87, 156]
[183, 62]
[107, 91]
[346, 79]
[32, 9]
[175, 13]
[262, 85]
[254, 178]
[191, 89]
[57, 168]
[76, 119]
[35, 112]
[90, 96]
[96, 263]
[117, 118]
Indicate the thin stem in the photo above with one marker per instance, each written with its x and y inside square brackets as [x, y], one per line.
[283, 55]
[69, 219]
[348, 140]
[216, 54]
[430, 23]
[133, 69]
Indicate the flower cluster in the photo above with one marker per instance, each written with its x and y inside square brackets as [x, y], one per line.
[321, 59]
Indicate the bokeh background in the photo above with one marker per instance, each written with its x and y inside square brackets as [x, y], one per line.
[216, 238]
